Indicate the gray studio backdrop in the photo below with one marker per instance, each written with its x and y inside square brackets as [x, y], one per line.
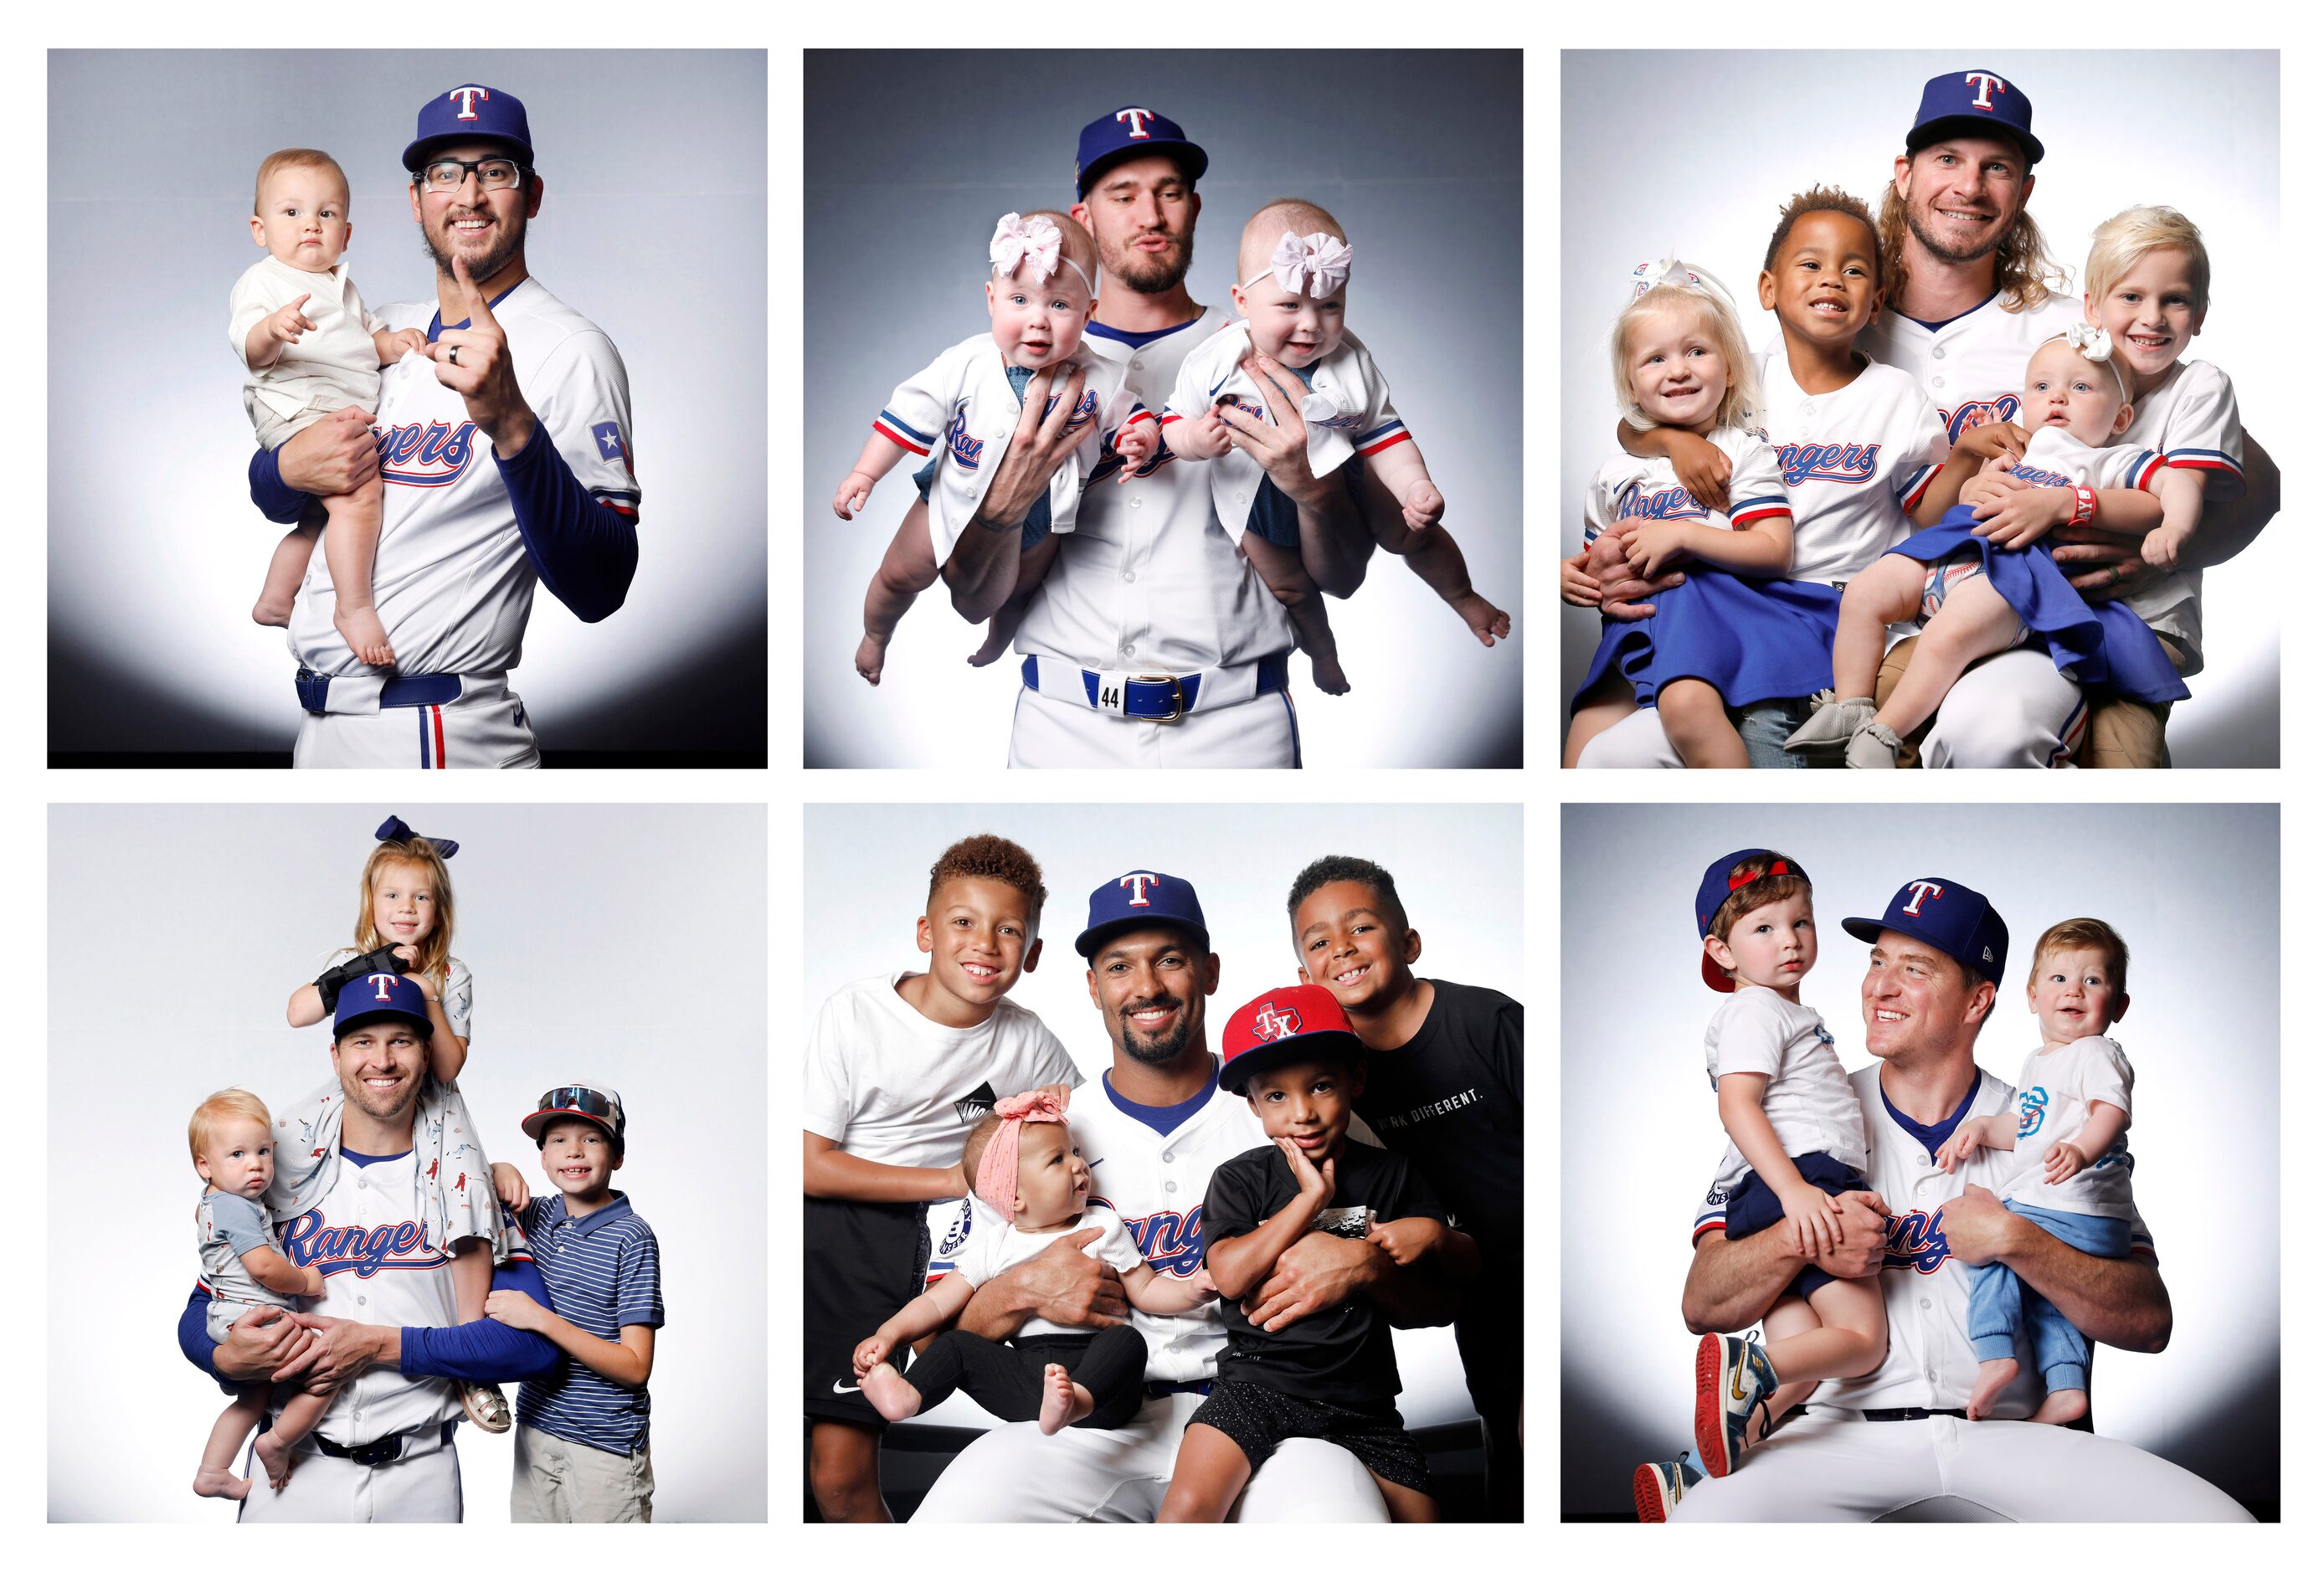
[2192, 890]
[1457, 869]
[1839, 119]
[653, 226]
[1419, 154]
[625, 945]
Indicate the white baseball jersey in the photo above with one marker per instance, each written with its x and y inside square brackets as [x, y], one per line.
[1856, 462]
[1630, 486]
[2055, 457]
[2055, 1090]
[227, 1228]
[891, 1086]
[1347, 412]
[991, 1246]
[1808, 1100]
[333, 366]
[960, 406]
[1973, 367]
[1150, 581]
[2192, 422]
[1926, 1291]
[452, 582]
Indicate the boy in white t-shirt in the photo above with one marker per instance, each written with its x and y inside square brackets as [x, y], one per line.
[1796, 1142]
[899, 1069]
[2072, 1179]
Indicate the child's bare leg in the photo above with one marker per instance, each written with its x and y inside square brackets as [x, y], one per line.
[909, 567]
[1612, 700]
[1406, 1504]
[291, 1427]
[1887, 592]
[1850, 1339]
[216, 1475]
[286, 570]
[1304, 601]
[1694, 719]
[2063, 1406]
[350, 545]
[1433, 554]
[1992, 1376]
[1032, 567]
[1787, 1318]
[1210, 1474]
[1974, 623]
[1063, 1401]
[885, 1388]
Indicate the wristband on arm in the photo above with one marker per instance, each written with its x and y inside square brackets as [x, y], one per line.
[384, 958]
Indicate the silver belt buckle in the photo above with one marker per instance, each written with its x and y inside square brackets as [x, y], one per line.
[1177, 699]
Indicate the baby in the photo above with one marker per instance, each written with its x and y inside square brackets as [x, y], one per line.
[311, 350]
[1975, 584]
[1294, 265]
[1027, 1169]
[2070, 1133]
[1795, 1142]
[971, 398]
[233, 1147]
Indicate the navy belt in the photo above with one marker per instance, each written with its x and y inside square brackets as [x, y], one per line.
[1163, 697]
[1878, 1414]
[1155, 1389]
[386, 1449]
[397, 692]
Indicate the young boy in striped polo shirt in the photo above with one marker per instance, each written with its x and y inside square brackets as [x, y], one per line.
[581, 1453]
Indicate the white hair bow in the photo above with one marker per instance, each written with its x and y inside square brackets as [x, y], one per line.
[1673, 274]
[1017, 241]
[2092, 343]
[1315, 265]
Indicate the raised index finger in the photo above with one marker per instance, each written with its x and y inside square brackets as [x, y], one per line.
[480, 315]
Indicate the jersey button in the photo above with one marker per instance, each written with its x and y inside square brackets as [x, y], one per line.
[1169, 1157]
[1936, 354]
[1924, 1304]
[1922, 1160]
[1170, 1184]
[1936, 382]
[1129, 577]
[1138, 502]
[1138, 365]
[360, 1299]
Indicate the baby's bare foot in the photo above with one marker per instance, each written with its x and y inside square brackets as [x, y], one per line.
[871, 658]
[2062, 1406]
[1485, 619]
[218, 1482]
[1327, 673]
[1992, 1376]
[895, 1397]
[1063, 1403]
[274, 611]
[366, 634]
[276, 1460]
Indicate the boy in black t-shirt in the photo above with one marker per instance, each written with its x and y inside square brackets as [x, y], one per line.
[1444, 1086]
[1333, 1375]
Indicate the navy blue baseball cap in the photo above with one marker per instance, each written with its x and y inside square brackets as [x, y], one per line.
[1131, 132]
[1718, 884]
[1284, 1025]
[382, 996]
[467, 114]
[1949, 916]
[1140, 899]
[1974, 104]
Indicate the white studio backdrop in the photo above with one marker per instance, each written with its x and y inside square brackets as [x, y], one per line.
[1459, 871]
[2193, 890]
[620, 945]
[1790, 119]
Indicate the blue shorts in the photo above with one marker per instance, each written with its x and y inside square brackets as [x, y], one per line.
[1751, 1207]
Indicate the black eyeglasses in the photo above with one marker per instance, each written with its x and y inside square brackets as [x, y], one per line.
[448, 175]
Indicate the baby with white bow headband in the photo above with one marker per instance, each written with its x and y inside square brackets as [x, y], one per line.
[966, 406]
[1295, 264]
[1983, 585]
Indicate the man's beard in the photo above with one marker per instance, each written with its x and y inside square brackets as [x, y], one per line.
[1159, 1050]
[1945, 251]
[364, 1097]
[511, 241]
[1145, 274]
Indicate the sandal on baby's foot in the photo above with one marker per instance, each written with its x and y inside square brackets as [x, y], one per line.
[484, 1405]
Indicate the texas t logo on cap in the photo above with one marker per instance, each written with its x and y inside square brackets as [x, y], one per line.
[1273, 1021]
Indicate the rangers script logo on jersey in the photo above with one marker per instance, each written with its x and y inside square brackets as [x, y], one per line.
[433, 453]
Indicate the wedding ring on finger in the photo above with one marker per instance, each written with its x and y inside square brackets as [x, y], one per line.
[452, 355]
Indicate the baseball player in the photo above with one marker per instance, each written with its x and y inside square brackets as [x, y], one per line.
[1151, 1135]
[383, 1450]
[1900, 1435]
[505, 460]
[1151, 641]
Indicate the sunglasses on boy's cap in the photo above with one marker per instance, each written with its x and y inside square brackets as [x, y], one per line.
[577, 1101]
[1718, 884]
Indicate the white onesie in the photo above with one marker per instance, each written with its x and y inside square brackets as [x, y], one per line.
[992, 1247]
[2055, 1093]
[329, 369]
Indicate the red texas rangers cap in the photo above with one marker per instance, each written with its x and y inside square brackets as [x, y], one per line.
[470, 114]
[1283, 1027]
[1974, 104]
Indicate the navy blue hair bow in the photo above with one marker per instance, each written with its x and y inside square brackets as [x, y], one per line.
[397, 830]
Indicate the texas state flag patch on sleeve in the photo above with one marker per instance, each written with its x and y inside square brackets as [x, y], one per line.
[610, 444]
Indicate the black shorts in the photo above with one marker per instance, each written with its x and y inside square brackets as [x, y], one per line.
[865, 1260]
[1259, 1419]
[1751, 1207]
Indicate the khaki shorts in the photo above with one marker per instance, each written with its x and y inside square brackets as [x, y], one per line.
[558, 1480]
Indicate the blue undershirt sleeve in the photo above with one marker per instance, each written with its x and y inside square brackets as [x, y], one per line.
[194, 1336]
[272, 496]
[584, 553]
[484, 1350]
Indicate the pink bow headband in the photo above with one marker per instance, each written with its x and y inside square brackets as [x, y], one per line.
[1017, 241]
[1315, 265]
[996, 1171]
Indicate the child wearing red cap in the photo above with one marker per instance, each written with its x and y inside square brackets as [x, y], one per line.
[1795, 1142]
[1330, 1375]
